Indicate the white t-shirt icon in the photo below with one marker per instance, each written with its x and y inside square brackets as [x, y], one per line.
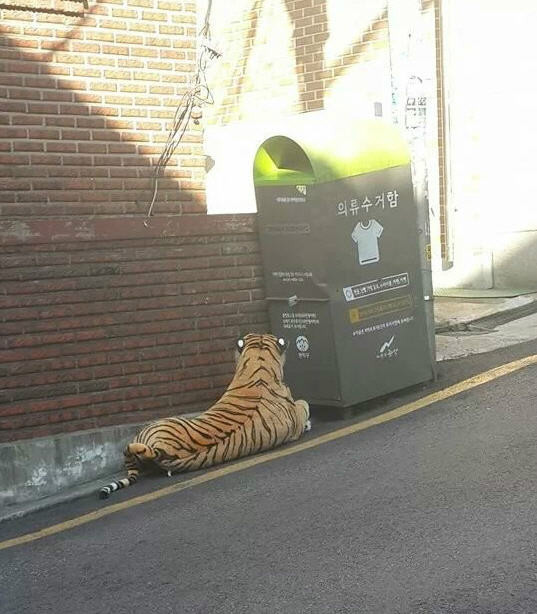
[366, 239]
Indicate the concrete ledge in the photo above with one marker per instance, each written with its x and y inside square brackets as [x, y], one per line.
[39, 473]
[71, 494]
[37, 468]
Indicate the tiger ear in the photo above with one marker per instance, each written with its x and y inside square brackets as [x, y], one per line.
[240, 345]
[282, 344]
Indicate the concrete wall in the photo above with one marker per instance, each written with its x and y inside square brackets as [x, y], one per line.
[46, 466]
[492, 136]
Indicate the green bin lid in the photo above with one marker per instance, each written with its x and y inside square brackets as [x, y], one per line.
[318, 153]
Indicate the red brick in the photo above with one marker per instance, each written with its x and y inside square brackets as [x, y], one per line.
[105, 135]
[61, 147]
[130, 63]
[130, 39]
[99, 36]
[69, 58]
[22, 67]
[153, 16]
[11, 106]
[76, 135]
[71, 84]
[77, 160]
[134, 136]
[104, 111]
[13, 133]
[139, 26]
[27, 146]
[14, 159]
[11, 80]
[144, 52]
[45, 159]
[91, 98]
[116, 49]
[43, 133]
[103, 86]
[130, 14]
[116, 124]
[43, 108]
[74, 109]
[57, 96]
[90, 122]
[92, 148]
[24, 94]
[85, 47]
[59, 121]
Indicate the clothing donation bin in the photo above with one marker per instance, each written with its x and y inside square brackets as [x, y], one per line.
[343, 273]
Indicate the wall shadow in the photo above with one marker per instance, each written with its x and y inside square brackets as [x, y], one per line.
[235, 90]
[73, 147]
[314, 71]
[317, 73]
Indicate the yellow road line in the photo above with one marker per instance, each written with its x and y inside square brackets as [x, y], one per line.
[446, 393]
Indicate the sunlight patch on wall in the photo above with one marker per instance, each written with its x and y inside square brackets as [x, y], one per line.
[348, 22]
[493, 139]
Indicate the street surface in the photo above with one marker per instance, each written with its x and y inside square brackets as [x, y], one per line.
[432, 512]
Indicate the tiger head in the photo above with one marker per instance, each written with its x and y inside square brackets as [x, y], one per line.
[262, 348]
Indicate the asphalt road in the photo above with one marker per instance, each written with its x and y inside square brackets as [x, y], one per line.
[433, 512]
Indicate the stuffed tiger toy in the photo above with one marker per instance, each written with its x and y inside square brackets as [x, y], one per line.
[255, 413]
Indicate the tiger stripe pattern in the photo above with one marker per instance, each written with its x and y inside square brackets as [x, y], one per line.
[256, 413]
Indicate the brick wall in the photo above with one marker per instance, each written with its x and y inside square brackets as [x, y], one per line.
[101, 329]
[86, 103]
[102, 319]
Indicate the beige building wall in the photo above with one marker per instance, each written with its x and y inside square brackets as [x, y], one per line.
[491, 142]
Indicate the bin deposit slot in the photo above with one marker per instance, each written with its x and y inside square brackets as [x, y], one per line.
[280, 157]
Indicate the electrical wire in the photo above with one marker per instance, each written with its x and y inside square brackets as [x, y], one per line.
[197, 94]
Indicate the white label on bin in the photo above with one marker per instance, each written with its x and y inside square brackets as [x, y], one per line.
[376, 286]
[292, 276]
[299, 320]
[373, 328]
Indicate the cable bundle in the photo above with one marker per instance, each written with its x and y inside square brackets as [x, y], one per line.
[197, 94]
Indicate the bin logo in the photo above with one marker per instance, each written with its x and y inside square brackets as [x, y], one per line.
[302, 345]
[302, 189]
[366, 237]
[388, 349]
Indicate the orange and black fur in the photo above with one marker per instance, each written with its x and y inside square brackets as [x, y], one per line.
[255, 413]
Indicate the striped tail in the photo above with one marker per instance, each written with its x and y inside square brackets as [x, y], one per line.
[107, 490]
[135, 454]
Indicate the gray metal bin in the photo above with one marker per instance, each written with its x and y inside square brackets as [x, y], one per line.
[342, 265]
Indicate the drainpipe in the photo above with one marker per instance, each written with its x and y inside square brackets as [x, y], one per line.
[409, 111]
